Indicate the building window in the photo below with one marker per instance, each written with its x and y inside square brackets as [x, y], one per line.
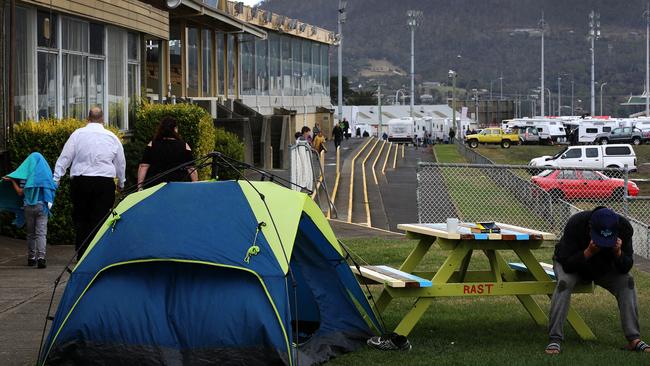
[306, 68]
[287, 60]
[207, 55]
[296, 46]
[232, 66]
[116, 65]
[192, 68]
[262, 66]
[274, 59]
[152, 54]
[315, 69]
[248, 64]
[325, 65]
[175, 60]
[133, 74]
[221, 64]
[24, 65]
[46, 65]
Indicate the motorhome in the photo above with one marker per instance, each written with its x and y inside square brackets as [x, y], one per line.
[588, 130]
[401, 130]
[550, 127]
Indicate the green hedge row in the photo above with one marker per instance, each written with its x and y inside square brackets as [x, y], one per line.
[48, 137]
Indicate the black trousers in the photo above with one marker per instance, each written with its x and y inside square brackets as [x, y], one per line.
[92, 200]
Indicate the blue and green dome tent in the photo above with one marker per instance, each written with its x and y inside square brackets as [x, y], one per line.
[179, 274]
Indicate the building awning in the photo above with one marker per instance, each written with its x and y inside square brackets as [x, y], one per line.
[197, 11]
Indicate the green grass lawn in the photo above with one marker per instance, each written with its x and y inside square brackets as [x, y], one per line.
[494, 330]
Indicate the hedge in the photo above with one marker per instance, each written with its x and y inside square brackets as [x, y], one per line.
[228, 144]
[48, 138]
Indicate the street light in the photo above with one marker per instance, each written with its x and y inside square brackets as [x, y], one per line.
[601, 97]
[549, 100]
[475, 91]
[341, 20]
[452, 74]
[542, 28]
[594, 34]
[397, 95]
[572, 109]
[414, 19]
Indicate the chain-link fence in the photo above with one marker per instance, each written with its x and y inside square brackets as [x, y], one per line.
[542, 199]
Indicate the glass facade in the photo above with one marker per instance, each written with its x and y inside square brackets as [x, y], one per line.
[284, 65]
[193, 62]
[65, 65]
[232, 65]
[221, 63]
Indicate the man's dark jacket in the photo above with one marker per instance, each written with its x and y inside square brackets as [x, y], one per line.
[569, 252]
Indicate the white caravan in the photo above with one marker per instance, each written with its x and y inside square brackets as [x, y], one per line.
[401, 130]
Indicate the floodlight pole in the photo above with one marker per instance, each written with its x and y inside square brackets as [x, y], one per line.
[594, 34]
[341, 20]
[542, 28]
[646, 14]
[413, 22]
[559, 96]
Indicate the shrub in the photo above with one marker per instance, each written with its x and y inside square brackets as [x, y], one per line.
[228, 144]
[48, 138]
[194, 125]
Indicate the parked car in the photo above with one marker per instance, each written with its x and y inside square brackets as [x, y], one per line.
[495, 136]
[530, 135]
[627, 135]
[582, 184]
[590, 156]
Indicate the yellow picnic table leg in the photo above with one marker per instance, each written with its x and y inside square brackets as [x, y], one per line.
[408, 266]
[574, 319]
[527, 301]
[447, 269]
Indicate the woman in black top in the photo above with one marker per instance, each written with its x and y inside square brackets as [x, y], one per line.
[166, 151]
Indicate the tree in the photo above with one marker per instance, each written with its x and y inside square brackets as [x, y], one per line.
[334, 89]
[363, 97]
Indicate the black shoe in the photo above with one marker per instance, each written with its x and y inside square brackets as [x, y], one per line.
[31, 262]
[390, 342]
[42, 263]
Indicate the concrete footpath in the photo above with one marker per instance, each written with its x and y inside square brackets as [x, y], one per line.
[25, 292]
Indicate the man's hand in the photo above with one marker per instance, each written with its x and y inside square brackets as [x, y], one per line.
[618, 248]
[591, 250]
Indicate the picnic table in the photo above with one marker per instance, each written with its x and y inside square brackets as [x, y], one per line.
[454, 278]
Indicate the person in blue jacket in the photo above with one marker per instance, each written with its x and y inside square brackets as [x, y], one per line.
[33, 183]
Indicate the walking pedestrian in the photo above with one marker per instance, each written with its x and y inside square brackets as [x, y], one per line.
[337, 135]
[33, 183]
[95, 157]
[166, 151]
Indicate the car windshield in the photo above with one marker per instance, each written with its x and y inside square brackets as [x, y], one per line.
[556, 156]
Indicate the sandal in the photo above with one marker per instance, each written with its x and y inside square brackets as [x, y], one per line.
[553, 348]
[640, 346]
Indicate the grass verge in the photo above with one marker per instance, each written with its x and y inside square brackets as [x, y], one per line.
[494, 330]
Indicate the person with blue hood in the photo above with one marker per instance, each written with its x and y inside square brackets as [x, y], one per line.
[31, 199]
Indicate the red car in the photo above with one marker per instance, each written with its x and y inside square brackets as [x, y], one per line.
[577, 184]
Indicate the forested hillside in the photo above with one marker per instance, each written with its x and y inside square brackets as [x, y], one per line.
[487, 38]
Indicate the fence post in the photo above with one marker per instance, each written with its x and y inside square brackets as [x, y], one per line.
[625, 200]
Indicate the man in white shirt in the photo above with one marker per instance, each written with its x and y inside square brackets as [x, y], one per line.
[95, 157]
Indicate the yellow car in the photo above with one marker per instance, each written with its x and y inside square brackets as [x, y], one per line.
[496, 136]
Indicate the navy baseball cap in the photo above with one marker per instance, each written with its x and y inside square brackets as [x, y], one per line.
[604, 227]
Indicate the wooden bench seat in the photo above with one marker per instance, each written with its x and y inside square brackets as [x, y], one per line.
[548, 268]
[389, 276]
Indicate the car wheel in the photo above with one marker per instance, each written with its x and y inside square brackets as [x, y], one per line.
[505, 144]
[473, 144]
[636, 141]
[618, 193]
[603, 141]
[556, 194]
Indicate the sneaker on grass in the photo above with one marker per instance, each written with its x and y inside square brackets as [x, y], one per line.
[390, 342]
